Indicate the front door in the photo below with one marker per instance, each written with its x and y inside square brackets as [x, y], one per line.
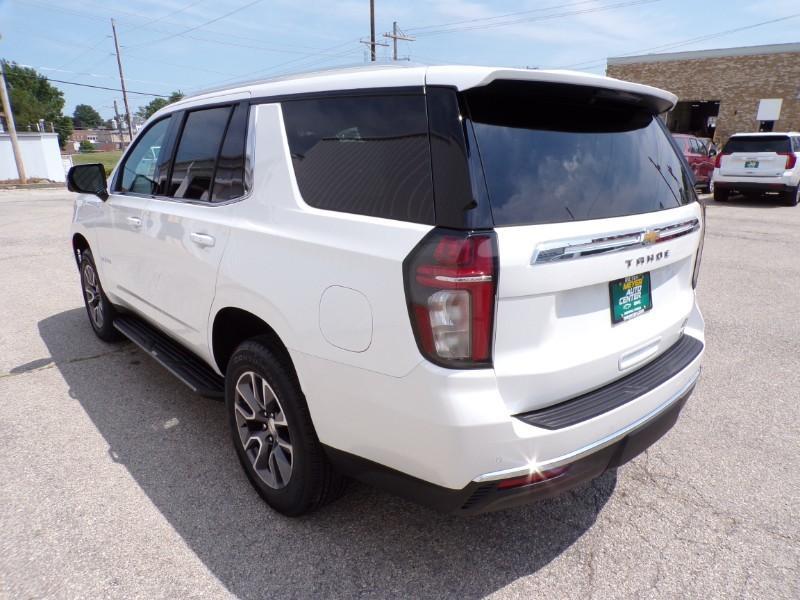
[120, 232]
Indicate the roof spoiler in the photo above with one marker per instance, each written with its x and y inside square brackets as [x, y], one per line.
[655, 99]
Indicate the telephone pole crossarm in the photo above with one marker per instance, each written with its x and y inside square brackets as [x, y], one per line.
[397, 35]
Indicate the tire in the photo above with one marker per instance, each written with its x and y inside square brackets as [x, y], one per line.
[294, 476]
[721, 195]
[792, 197]
[99, 309]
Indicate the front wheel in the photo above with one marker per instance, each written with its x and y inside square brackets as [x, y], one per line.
[100, 310]
[273, 434]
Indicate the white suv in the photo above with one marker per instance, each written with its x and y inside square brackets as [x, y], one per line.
[758, 163]
[471, 286]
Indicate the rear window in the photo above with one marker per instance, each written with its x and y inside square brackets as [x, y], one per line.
[366, 155]
[761, 143]
[562, 153]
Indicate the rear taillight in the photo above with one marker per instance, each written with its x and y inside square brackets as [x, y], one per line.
[699, 256]
[791, 159]
[718, 161]
[451, 281]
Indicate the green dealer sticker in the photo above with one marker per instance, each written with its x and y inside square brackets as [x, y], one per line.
[630, 297]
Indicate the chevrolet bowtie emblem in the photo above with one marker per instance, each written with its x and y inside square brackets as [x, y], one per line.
[650, 237]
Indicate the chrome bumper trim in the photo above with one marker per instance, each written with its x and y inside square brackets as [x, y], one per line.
[594, 446]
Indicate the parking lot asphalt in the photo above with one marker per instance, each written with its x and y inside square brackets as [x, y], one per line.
[115, 481]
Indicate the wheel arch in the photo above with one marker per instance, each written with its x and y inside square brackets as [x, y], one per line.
[233, 325]
[79, 245]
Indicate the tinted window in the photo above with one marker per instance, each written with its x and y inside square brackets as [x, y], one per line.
[562, 153]
[363, 155]
[229, 177]
[197, 153]
[760, 143]
[139, 169]
[697, 147]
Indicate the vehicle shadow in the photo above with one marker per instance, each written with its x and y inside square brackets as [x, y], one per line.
[742, 201]
[176, 447]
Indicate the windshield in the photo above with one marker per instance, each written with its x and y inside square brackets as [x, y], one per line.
[552, 155]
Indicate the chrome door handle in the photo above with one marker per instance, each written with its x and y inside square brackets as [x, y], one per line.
[134, 221]
[202, 239]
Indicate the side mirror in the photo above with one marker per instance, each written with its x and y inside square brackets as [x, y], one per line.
[712, 152]
[88, 179]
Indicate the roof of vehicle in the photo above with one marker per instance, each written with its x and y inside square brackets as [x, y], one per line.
[392, 75]
[766, 134]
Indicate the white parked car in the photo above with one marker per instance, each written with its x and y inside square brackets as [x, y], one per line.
[471, 286]
[758, 163]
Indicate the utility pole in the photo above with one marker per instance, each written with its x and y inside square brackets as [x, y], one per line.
[372, 30]
[122, 83]
[397, 36]
[117, 121]
[12, 130]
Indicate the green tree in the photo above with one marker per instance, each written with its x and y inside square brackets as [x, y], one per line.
[86, 146]
[86, 116]
[33, 98]
[157, 104]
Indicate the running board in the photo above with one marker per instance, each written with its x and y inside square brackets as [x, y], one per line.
[179, 361]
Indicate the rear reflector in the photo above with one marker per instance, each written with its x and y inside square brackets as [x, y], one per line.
[535, 477]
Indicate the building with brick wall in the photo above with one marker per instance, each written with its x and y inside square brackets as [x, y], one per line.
[723, 91]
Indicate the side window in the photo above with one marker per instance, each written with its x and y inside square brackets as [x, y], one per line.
[229, 178]
[139, 169]
[694, 146]
[366, 155]
[199, 145]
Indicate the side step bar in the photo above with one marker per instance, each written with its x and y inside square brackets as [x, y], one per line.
[179, 361]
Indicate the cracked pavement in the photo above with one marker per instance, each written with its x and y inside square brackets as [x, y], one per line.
[115, 481]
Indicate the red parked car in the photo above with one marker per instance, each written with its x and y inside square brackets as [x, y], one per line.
[700, 159]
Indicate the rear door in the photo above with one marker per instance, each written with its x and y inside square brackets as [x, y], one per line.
[186, 229]
[755, 156]
[597, 225]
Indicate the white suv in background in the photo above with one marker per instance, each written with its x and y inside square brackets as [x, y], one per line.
[758, 163]
[471, 286]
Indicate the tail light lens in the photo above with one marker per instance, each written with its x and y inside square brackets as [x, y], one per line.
[718, 160]
[791, 159]
[699, 256]
[451, 281]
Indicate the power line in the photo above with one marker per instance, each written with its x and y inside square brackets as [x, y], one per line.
[497, 17]
[558, 15]
[199, 26]
[596, 62]
[101, 87]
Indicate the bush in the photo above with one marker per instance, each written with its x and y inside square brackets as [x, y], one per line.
[86, 146]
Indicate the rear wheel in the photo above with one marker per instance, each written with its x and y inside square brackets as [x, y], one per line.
[792, 197]
[721, 195]
[100, 310]
[273, 434]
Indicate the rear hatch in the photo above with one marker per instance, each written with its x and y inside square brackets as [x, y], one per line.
[755, 156]
[597, 225]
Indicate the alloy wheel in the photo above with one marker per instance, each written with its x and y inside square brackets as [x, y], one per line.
[91, 289]
[263, 430]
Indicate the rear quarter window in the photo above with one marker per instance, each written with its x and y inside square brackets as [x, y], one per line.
[366, 155]
[552, 154]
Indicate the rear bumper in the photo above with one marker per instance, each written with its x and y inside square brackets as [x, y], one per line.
[438, 435]
[755, 184]
[485, 496]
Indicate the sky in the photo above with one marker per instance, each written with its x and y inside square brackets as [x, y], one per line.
[190, 45]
